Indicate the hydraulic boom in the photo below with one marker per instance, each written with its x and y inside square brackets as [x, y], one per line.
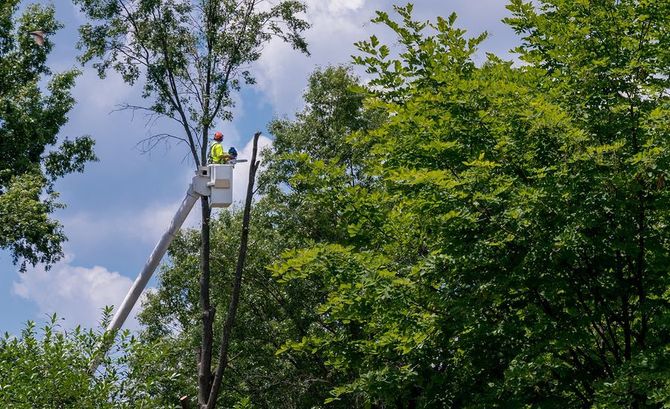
[213, 181]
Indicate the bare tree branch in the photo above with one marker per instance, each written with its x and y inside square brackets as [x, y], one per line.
[147, 144]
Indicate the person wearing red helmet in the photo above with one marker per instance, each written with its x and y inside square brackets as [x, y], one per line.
[216, 153]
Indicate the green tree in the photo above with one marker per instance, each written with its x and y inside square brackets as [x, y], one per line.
[191, 56]
[460, 235]
[31, 115]
[509, 249]
[316, 142]
[609, 64]
[288, 215]
[49, 368]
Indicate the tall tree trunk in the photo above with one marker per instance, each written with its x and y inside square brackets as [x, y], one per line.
[205, 364]
[237, 284]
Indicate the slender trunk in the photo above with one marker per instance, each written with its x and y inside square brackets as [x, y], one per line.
[640, 221]
[237, 284]
[205, 365]
[625, 307]
[639, 272]
[205, 368]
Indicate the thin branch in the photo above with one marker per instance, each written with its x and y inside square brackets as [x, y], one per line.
[231, 64]
[147, 144]
[173, 88]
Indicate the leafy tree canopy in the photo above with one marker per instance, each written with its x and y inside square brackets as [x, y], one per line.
[510, 248]
[31, 158]
[48, 367]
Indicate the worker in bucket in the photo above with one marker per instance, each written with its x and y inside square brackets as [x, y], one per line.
[216, 153]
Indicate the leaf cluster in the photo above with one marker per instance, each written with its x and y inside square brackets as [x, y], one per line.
[31, 116]
[49, 368]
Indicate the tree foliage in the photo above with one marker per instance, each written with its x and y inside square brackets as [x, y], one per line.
[452, 234]
[49, 368]
[31, 115]
[510, 248]
[190, 56]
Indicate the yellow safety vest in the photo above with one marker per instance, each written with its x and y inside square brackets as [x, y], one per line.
[217, 155]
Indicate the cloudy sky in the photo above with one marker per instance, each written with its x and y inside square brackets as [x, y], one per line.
[117, 210]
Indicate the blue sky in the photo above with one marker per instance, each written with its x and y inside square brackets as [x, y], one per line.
[118, 208]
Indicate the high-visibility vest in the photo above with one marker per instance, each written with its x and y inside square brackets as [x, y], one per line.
[216, 153]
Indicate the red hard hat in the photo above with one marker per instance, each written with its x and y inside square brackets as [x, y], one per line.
[218, 135]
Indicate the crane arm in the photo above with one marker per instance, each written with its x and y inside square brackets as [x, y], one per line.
[205, 183]
[153, 261]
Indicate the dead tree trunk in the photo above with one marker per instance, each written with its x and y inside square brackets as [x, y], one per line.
[205, 361]
[237, 283]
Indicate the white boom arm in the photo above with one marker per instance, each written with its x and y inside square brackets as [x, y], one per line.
[214, 181]
[153, 261]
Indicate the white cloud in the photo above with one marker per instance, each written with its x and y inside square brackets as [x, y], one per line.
[337, 24]
[339, 6]
[102, 95]
[155, 220]
[75, 293]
